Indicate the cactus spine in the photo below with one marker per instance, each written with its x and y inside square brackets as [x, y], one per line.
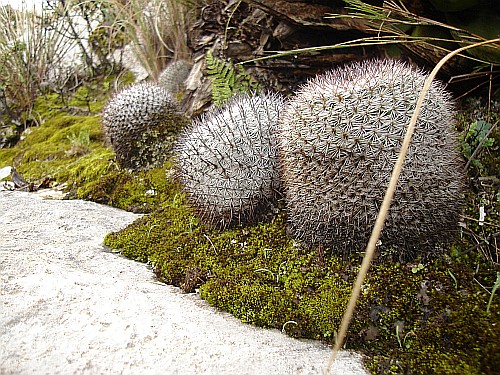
[339, 138]
[173, 77]
[141, 123]
[227, 159]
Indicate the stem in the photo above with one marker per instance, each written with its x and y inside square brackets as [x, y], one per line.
[76, 36]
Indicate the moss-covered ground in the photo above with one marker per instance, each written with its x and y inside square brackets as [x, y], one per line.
[413, 318]
[436, 317]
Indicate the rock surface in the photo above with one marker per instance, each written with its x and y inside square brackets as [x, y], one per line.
[70, 306]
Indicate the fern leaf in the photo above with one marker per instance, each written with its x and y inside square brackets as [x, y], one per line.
[227, 79]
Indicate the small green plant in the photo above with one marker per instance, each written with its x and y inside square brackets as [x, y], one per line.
[80, 143]
[417, 268]
[227, 79]
[493, 291]
[474, 140]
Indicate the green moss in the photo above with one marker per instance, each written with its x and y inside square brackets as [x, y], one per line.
[483, 171]
[87, 170]
[415, 320]
[52, 151]
[47, 106]
[88, 99]
[450, 331]
[7, 156]
[164, 239]
[46, 151]
[90, 96]
[103, 181]
[252, 301]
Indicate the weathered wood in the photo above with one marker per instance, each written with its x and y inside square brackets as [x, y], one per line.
[304, 13]
[17, 179]
[243, 31]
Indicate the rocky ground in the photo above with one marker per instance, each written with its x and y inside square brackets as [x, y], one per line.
[70, 306]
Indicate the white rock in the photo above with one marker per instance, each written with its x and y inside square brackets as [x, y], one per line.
[70, 306]
[5, 172]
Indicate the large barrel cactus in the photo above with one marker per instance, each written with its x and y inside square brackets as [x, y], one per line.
[141, 124]
[174, 75]
[227, 160]
[339, 138]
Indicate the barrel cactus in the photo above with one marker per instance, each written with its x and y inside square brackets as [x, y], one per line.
[174, 75]
[227, 160]
[339, 138]
[141, 124]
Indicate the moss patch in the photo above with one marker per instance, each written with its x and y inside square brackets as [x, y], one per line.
[140, 192]
[7, 156]
[70, 149]
[410, 319]
[46, 151]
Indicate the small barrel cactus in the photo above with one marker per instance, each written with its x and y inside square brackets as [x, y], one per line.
[141, 124]
[227, 159]
[339, 138]
[173, 77]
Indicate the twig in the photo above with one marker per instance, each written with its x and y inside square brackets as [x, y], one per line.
[211, 243]
[486, 241]
[477, 221]
[493, 291]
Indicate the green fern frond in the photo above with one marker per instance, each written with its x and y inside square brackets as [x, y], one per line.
[227, 79]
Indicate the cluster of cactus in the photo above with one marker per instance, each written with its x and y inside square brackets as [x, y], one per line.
[331, 148]
[173, 77]
[339, 138]
[141, 124]
[227, 159]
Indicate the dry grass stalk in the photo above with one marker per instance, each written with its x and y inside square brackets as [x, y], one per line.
[156, 30]
[29, 49]
[377, 229]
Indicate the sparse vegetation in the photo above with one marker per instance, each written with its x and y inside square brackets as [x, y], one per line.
[156, 30]
[30, 52]
[80, 143]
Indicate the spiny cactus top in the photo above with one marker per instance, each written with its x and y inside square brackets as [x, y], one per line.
[339, 138]
[141, 123]
[174, 75]
[227, 159]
